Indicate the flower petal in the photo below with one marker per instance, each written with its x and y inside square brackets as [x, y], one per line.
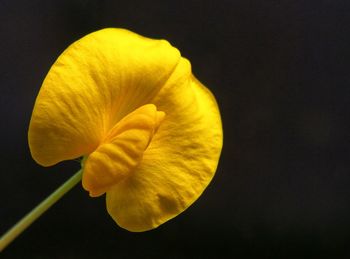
[92, 85]
[105, 77]
[122, 150]
[179, 162]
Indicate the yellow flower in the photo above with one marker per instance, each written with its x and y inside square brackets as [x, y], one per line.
[149, 132]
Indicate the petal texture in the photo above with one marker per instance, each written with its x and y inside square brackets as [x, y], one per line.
[92, 85]
[179, 162]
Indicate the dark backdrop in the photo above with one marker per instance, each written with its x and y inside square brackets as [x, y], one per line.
[280, 72]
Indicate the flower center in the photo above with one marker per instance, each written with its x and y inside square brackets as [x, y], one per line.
[121, 151]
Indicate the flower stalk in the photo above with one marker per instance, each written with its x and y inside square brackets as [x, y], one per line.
[27, 220]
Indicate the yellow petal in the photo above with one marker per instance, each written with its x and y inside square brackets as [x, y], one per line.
[92, 85]
[122, 150]
[152, 167]
[179, 162]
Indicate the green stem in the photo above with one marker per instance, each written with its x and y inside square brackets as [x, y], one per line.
[27, 220]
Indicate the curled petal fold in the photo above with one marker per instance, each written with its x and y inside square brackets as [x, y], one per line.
[150, 132]
[122, 150]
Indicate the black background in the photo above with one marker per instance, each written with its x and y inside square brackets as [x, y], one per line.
[280, 72]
